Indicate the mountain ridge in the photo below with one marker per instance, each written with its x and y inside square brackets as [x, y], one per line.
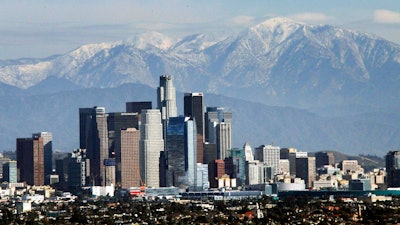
[346, 83]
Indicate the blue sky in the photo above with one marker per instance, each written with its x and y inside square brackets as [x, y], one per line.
[42, 28]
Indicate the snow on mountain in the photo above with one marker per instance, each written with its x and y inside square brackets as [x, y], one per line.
[279, 61]
[148, 40]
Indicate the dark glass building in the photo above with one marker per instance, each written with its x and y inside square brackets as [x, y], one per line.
[194, 107]
[393, 168]
[93, 136]
[137, 107]
[30, 160]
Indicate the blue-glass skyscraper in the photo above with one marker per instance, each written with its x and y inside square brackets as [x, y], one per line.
[181, 152]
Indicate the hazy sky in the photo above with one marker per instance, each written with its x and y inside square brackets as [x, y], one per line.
[42, 28]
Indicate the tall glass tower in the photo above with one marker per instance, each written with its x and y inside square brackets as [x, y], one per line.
[93, 137]
[194, 108]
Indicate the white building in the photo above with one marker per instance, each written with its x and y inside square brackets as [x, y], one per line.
[270, 155]
[166, 98]
[151, 144]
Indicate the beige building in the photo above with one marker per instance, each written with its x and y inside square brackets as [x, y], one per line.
[130, 169]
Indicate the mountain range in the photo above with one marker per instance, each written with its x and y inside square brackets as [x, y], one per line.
[297, 85]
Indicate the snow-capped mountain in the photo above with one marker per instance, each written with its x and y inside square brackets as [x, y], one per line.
[278, 61]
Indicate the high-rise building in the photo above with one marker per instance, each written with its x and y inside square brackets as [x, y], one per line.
[194, 107]
[130, 164]
[116, 122]
[166, 98]
[202, 177]
[109, 174]
[224, 139]
[3, 159]
[248, 152]
[181, 153]
[290, 154]
[257, 172]
[94, 138]
[218, 129]
[151, 144]
[324, 158]
[393, 168]
[30, 160]
[48, 153]
[270, 155]
[10, 172]
[239, 161]
[76, 169]
[210, 152]
[305, 169]
[216, 170]
[137, 107]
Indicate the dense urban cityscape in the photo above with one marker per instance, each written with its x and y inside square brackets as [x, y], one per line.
[151, 165]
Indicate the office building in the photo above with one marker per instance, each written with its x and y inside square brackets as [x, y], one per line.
[218, 129]
[30, 160]
[269, 155]
[116, 122]
[48, 153]
[290, 154]
[194, 107]
[393, 168]
[151, 144]
[93, 137]
[257, 172]
[137, 107]
[324, 158]
[10, 172]
[202, 177]
[109, 174]
[166, 98]
[349, 166]
[130, 164]
[239, 162]
[305, 169]
[224, 139]
[76, 168]
[181, 153]
[210, 152]
[216, 170]
[248, 152]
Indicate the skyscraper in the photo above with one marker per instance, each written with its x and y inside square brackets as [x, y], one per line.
[239, 162]
[130, 164]
[166, 98]
[393, 168]
[218, 129]
[270, 155]
[248, 152]
[48, 153]
[151, 144]
[194, 107]
[30, 160]
[324, 158]
[290, 154]
[181, 152]
[224, 139]
[93, 137]
[216, 170]
[305, 169]
[10, 172]
[116, 122]
[137, 107]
